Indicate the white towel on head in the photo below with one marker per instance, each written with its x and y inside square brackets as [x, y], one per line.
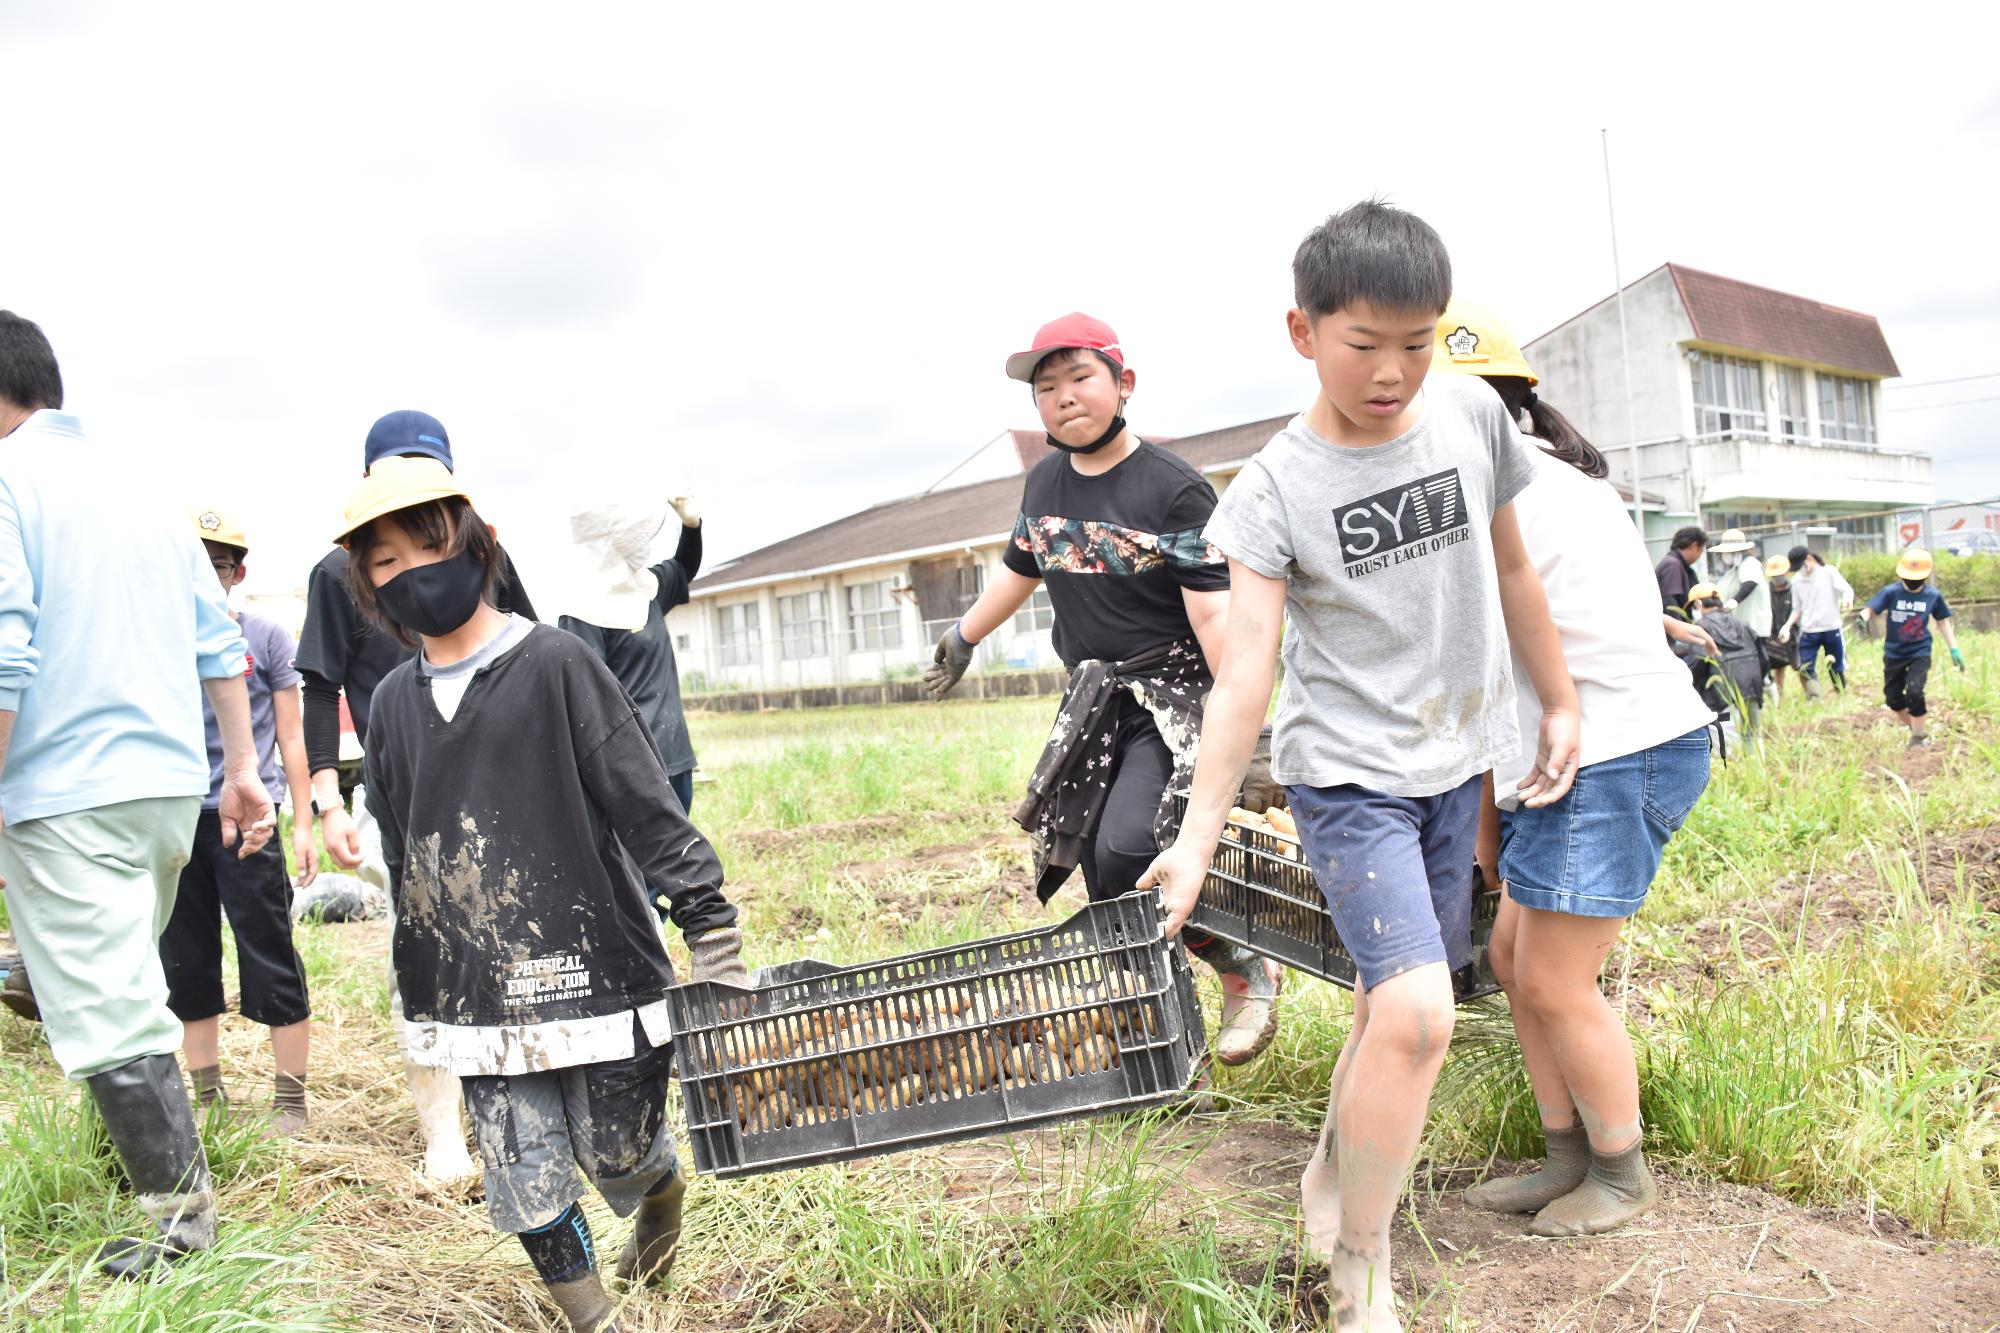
[607, 580]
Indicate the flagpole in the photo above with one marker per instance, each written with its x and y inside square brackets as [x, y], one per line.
[1624, 345]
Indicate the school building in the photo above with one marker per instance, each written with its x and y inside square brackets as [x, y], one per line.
[866, 596]
[1753, 408]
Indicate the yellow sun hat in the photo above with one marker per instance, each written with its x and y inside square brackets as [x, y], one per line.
[1777, 565]
[1701, 592]
[220, 526]
[396, 483]
[1472, 340]
[1915, 564]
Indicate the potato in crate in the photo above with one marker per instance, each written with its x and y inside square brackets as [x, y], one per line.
[1260, 893]
[825, 1063]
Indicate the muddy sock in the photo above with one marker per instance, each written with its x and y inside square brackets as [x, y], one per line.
[288, 1099]
[208, 1088]
[1567, 1163]
[1616, 1189]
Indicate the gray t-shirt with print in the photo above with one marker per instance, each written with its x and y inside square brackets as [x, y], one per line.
[1397, 675]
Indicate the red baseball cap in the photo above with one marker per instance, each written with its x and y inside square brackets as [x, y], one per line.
[1074, 330]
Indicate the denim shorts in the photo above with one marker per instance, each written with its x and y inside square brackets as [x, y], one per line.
[1594, 852]
[1396, 872]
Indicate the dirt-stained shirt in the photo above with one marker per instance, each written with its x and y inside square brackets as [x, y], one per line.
[520, 835]
[1396, 665]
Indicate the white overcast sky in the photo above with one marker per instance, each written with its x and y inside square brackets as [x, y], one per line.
[778, 254]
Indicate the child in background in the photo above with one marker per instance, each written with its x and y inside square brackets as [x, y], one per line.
[1576, 870]
[617, 604]
[1111, 526]
[252, 891]
[1782, 655]
[1730, 680]
[1819, 597]
[1377, 532]
[1908, 607]
[523, 810]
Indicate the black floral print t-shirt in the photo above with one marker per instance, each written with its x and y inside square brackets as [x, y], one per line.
[1116, 550]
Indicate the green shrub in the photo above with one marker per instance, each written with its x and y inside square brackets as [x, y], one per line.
[1961, 578]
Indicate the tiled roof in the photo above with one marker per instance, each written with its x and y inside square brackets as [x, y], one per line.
[1757, 319]
[944, 518]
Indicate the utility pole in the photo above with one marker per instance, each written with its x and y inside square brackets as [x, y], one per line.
[1624, 344]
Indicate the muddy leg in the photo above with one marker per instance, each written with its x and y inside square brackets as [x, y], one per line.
[1319, 1187]
[1385, 1094]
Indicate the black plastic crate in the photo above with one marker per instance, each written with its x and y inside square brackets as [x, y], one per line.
[822, 1063]
[1260, 896]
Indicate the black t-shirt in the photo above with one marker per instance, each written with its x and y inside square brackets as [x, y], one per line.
[643, 659]
[1676, 578]
[343, 646]
[525, 831]
[1116, 550]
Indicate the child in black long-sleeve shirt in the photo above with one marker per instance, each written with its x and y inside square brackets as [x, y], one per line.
[523, 809]
[617, 604]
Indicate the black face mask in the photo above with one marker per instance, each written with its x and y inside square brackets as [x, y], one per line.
[1111, 432]
[1915, 585]
[434, 600]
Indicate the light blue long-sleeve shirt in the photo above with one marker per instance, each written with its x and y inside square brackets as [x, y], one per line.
[110, 617]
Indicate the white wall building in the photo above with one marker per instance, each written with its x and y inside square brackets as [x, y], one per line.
[1754, 408]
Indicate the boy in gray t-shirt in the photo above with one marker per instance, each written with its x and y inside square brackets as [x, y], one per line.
[1378, 521]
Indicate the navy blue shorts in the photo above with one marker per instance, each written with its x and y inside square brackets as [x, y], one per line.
[1396, 872]
[1595, 852]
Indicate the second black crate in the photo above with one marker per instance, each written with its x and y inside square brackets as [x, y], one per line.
[1261, 894]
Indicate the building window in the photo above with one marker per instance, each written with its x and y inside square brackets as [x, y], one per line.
[1728, 395]
[802, 626]
[874, 621]
[737, 634]
[971, 582]
[1038, 614]
[1846, 409]
[1792, 422]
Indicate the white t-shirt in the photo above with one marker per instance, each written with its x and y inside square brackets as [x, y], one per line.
[1634, 692]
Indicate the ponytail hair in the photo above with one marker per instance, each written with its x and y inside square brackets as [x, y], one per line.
[1559, 439]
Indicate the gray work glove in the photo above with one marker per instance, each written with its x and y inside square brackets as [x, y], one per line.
[717, 956]
[953, 656]
[1260, 793]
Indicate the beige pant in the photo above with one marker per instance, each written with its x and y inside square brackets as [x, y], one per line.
[89, 893]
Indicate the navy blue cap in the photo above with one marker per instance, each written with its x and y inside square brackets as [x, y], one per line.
[407, 433]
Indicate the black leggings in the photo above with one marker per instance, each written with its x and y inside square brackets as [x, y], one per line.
[1123, 846]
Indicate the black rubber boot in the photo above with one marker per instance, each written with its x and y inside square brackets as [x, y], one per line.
[656, 1237]
[145, 1109]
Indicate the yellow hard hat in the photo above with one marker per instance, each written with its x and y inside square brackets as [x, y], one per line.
[396, 483]
[219, 525]
[1701, 592]
[1915, 564]
[1777, 565]
[1472, 340]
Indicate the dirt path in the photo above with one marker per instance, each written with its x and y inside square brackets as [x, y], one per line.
[1709, 1256]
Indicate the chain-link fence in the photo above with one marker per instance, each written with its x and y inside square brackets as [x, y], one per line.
[1957, 528]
